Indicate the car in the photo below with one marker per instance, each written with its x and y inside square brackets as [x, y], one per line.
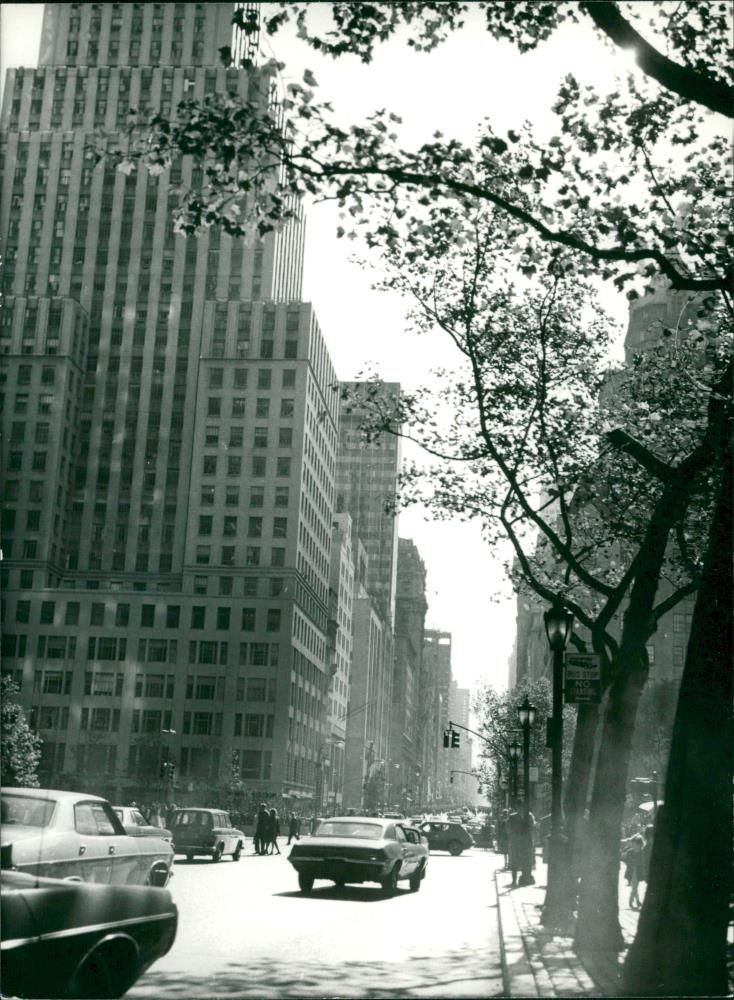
[77, 939]
[205, 831]
[63, 834]
[362, 849]
[136, 824]
[445, 836]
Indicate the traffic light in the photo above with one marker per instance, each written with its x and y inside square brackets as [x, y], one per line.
[451, 779]
[446, 738]
[455, 739]
[171, 772]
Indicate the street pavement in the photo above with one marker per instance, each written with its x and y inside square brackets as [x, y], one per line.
[246, 931]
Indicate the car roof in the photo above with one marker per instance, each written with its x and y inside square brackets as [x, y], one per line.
[199, 809]
[52, 793]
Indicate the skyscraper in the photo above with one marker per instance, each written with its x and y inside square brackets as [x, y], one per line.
[170, 435]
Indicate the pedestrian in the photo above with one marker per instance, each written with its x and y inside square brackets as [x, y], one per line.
[294, 827]
[274, 832]
[503, 836]
[521, 855]
[262, 822]
[633, 855]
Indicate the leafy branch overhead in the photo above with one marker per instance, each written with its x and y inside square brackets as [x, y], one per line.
[609, 186]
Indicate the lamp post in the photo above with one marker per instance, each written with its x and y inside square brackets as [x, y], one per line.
[526, 715]
[558, 907]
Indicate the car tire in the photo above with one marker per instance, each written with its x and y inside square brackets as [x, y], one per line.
[339, 883]
[189, 858]
[415, 880]
[305, 882]
[455, 848]
[390, 882]
[159, 876]
[217, 853]
[236, 854]
[107, 972]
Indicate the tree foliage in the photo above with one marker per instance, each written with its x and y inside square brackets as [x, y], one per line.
[20, 749]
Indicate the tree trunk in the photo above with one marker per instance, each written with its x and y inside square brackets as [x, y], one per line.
[579, 782]
[680, 947]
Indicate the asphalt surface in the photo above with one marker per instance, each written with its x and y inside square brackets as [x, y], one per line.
[246, 931]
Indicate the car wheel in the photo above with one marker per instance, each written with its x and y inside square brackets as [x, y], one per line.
[158, 877]
[390, 883]
[415, 880]
[189, 858]
[217, 853]
[107, 973]
[455, 848]
[237, 851]
[305, 882]
[339, 883]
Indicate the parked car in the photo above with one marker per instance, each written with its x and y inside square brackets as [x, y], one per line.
[62, 834]
[205, 831]
[445, 836]
[136, 824]
[72, 939]
[361, 849]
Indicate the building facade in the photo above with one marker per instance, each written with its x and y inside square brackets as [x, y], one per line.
[170, 438]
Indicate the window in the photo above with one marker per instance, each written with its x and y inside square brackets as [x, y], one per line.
[147, 616]
[256, 689]
[229, 525]
[260, 437]
[262, 408]
[248, 619]
[234, 465]
[227, 558]
[264, 378]
[214, 406]
[250, 586]
[203, 555]
[283, 466]
[47, 612]
[240, 378]
[677, 656]
[273, 622]
[223, 616]
[216, 378]
[207, 496]
[211, 437]
[252, 555]
[650, 654]
[232, 496]
[277, 557]
[281, 496]
[96, 614]
[173, 615]
[280, 527]
[259, 465]
[254, 527]
[205, 524]
[285, 437]
[257, 496]
[679, 623]
[225, 585]
[23, 612]
[287, 408]
[122, 615]
[198, 616]
[210, 465]
[201, 584]
[236, 437]
[238, 406]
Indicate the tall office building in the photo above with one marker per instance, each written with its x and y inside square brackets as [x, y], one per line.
[463, 786]
[170, 436]
[435, 686]
[367, 480]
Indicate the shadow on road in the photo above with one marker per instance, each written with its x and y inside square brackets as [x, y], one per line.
[456, 973]
[348, 893]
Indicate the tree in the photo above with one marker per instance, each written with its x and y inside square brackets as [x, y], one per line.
[20, 750]
[605, 189]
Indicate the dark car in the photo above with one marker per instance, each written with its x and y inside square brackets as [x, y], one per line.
[361, 849]
[206, 831]
[445, 836]
[61, 834]
[76, 939]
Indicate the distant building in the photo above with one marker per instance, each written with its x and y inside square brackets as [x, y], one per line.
[435, 687]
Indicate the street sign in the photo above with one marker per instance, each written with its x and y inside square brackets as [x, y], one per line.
[582, 679]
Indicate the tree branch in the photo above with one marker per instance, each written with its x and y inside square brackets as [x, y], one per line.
[682, 80]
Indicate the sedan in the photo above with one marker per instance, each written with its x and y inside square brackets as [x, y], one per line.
[361, 849]
[72, 939]
[444, 836]
[61, 834]
[136, 824]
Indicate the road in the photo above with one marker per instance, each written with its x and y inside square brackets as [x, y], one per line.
[246, 931]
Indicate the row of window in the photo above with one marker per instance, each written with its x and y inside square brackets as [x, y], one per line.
[238, 407]
[98, 618]
[237, 437]
[233, 465]
[280, 496]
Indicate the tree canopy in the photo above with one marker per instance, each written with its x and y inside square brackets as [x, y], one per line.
[20, 748]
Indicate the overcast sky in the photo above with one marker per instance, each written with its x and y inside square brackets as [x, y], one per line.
[452, 89]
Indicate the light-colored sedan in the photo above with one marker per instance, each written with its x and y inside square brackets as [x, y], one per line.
[136, 825]
[62, 834]
[362, 849]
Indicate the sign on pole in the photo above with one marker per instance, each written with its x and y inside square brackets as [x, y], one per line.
[582, 683]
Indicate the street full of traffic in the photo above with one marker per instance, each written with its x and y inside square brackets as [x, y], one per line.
[246, 930]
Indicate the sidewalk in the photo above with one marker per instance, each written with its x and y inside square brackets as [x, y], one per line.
[536, 963]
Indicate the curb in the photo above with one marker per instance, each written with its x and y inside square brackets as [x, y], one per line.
[518, 979]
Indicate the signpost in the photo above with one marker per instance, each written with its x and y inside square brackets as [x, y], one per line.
[582, 679]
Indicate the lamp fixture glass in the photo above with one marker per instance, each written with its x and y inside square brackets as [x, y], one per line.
[526, 713]
[514, 750]
[558, 626]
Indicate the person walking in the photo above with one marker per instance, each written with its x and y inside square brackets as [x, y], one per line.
[502, 835]
[520, 833]
[633, 855]
[294, 828]
[274, 832]
[260, 838]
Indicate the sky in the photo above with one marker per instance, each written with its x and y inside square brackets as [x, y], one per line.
[452, 89]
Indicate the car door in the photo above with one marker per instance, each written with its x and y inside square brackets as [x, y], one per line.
[412, 838]
[231, 837]
[94, 850]
[407, 857]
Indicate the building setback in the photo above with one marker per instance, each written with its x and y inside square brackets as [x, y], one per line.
[170, 438]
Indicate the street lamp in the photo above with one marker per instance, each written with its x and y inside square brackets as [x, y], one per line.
[558, 898]
[526, 715]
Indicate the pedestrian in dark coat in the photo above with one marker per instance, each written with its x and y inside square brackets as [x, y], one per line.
[633, 855]
[502, 835]
[262, 824]
[294, 827]
[274, 832]
[520, 830]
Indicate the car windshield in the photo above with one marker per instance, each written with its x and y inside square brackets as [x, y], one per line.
[362, 831]
[27, 811]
